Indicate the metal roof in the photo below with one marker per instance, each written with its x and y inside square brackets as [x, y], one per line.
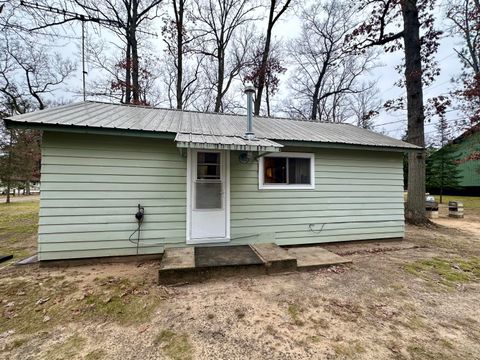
[200, 141]
[130, 117]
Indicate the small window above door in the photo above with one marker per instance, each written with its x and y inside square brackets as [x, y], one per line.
[208, 166]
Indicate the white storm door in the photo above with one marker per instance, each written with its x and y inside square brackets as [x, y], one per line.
[208, 194]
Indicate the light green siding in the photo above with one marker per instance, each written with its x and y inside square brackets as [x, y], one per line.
[358, 195]
[91, 185]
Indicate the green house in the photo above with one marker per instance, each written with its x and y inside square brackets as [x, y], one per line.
[199, 179]
[467, 157]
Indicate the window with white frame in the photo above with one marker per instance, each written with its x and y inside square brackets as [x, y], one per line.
[287, 171]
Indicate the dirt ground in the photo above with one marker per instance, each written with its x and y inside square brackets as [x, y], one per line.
[421, 303]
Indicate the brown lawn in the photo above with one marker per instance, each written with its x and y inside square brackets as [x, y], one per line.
[421, 303]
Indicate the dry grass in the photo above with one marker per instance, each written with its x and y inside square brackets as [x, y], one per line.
[18, 228]
[405, 304]
[177, 347]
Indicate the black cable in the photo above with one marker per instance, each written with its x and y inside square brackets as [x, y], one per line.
[137, 230]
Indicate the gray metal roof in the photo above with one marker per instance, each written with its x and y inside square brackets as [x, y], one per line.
[128, 117]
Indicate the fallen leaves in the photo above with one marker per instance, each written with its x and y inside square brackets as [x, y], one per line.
[41, 301]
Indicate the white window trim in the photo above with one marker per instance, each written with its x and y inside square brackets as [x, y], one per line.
[261, 175]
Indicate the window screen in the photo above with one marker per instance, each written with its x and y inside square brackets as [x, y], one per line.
[285, 170]
[208, 195]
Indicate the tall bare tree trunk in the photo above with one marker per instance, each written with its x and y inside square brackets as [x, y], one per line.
[9, 167]
[272, 19]
[128, 73]
[134, 49]
[221, 75]
[135, 82]
[179, 24]
[415, 212]
[263, 66]
[267, 99]
[316, 93]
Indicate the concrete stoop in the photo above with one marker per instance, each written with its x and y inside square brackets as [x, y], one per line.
[193, 264]
[275, 258]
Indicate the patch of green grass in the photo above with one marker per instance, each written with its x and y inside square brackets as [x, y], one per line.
[175, 346]
[420, 352]
[18, 228]
[119, 300]
[348, 350]
[96, 355]
[416, 323]
[115, 300]
[24, 313]
[66, 350]
[469, 202]
[14, 344]
[448, 271]
[294, 311]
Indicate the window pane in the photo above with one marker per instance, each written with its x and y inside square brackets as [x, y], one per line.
[208, 172]
[208, 195]
[275, 170]
[208, 158]
[298, 171]
[208, 165]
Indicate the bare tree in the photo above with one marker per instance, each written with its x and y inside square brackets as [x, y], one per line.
[181, 75]
[270, 71]
[464, 16]
[224, 39]
[108, 66]
[325, 72]
[365, 105]
[29, 73]
[127, 19]
[276, 9]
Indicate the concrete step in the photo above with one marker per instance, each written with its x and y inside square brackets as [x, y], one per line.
[176, 265]
[190, 264]
[275, 258]
[313, 257]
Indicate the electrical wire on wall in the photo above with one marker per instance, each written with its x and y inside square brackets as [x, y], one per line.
[139, 216]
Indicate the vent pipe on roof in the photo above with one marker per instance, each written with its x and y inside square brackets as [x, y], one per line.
[249, 90]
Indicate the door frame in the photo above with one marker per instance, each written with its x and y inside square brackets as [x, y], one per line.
[190, 163]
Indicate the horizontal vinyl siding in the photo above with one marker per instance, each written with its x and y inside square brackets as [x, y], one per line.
[90, 189]
[91, 186]
[357, 196]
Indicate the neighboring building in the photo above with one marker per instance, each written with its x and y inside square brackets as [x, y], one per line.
[467, 155]
[202, 181]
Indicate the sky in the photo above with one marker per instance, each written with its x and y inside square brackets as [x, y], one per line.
[390, 123]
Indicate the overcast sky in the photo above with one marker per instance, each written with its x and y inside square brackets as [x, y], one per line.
[392, 123]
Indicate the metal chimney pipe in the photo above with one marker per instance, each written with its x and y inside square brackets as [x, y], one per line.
[249, 90]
